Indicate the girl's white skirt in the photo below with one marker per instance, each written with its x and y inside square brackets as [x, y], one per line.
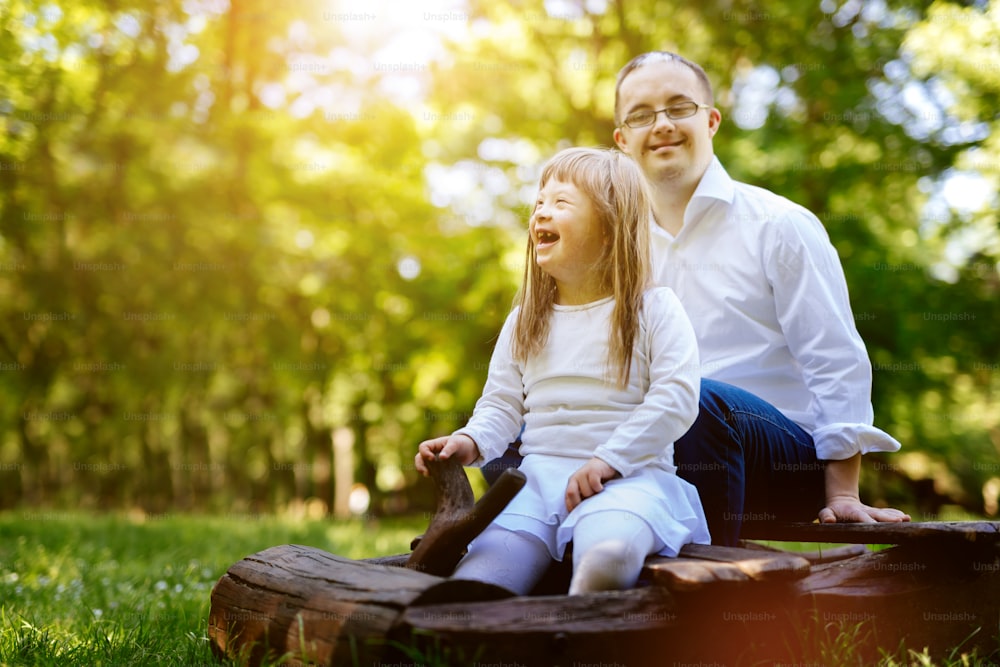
[667, 503]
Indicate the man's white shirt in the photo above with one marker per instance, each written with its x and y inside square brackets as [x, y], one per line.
[766, 293]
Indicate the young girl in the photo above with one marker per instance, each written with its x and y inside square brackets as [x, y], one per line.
[603, 370]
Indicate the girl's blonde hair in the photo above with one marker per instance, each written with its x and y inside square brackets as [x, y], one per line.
[618, 191]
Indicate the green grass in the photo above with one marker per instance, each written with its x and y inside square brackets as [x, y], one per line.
[109, 590]
[78, 589]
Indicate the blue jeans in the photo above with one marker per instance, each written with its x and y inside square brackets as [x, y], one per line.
[747, 460]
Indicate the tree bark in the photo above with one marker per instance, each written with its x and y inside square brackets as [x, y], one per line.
[457, 519]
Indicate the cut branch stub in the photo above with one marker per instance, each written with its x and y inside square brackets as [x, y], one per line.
[458, 519]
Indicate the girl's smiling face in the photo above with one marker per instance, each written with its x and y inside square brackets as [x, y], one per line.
[569, 241]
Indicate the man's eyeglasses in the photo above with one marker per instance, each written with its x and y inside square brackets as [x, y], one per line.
[644, 117]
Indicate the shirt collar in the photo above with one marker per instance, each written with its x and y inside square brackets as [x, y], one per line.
[715, 183]
[715, 186]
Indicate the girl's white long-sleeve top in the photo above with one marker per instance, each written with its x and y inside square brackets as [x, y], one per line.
[569, 401]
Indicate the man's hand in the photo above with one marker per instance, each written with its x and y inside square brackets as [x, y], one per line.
[843, 503]
[852, 510]
[461, 446]
[587, 481]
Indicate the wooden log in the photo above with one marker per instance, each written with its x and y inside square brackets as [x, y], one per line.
[779, 566]
[824, 555]
[300, 605]
[936, 598]
[985, 532]
[457, 519]
[688, 574]
[936, 589]
[613, 627]
[315, 607]
[318, 607]
[309, 604]
[699, 566]
[397, 560]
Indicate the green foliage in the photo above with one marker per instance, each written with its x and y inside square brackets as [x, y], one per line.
[841, 643]
[203, 289]
[428, 650]
[232, 235]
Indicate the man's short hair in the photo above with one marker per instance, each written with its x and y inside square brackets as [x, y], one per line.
[668, 57]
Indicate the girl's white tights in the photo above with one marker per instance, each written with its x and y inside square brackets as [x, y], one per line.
[499, 556]
[609, 549]
[608, 552]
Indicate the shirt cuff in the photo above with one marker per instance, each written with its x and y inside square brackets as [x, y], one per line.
[836, 442]
[621, 465]
[484, 451]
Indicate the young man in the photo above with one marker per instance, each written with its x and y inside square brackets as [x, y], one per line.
[785, 411]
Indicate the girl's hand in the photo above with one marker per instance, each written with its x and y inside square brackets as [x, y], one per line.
[461, 446]
[587, 481]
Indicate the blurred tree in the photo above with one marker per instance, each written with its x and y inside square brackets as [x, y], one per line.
[253, 254]
[207, 274]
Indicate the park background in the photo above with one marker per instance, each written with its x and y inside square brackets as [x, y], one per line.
[252, 253]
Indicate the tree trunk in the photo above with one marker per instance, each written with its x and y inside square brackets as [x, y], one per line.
[323, 607]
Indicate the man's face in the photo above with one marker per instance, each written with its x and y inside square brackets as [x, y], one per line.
[670, 152]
